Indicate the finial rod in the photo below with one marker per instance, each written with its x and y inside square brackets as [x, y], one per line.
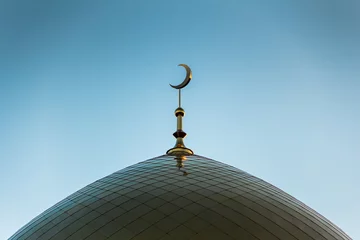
[180, 98]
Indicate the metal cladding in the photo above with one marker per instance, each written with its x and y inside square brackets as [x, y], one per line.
[154, 200]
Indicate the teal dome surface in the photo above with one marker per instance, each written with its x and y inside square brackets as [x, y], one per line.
[154, 200]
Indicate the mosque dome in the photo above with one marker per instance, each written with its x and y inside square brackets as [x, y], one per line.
[154, 200]
[158, 199]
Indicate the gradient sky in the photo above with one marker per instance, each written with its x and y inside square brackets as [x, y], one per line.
[84, 92]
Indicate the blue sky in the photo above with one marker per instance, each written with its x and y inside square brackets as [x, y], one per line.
[84, 92]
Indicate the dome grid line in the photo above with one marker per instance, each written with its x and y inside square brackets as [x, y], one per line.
[291, 207]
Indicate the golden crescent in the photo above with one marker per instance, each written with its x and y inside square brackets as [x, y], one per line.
[187, 78]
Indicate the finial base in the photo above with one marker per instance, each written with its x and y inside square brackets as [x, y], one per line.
[179, 151]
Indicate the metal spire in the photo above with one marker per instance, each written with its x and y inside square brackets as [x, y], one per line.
[179, 151]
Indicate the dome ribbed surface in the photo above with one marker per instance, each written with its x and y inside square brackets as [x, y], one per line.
[154, 200]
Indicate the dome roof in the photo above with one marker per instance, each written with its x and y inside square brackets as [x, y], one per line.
[154, 200]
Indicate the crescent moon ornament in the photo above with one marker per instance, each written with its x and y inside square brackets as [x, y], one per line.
[187, 78]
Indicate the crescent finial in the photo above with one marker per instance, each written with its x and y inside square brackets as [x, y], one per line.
[187, 78]
[179, 151]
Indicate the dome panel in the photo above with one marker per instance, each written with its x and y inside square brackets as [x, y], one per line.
[154, 200]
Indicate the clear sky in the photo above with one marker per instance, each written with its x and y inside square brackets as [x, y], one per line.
[84, 92]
